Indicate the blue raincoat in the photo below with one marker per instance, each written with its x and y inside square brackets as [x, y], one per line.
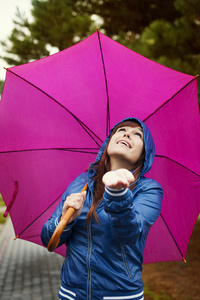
[104, 261]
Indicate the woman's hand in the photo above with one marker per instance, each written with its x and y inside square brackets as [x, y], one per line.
[118, 179]
[76, 201]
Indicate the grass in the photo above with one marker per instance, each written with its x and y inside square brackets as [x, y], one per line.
[2, 204]
[151, 295]
[1, 201]
[2, 219]
[175, 280]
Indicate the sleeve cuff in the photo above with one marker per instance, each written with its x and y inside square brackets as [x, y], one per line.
[115, 192]
[117, 200]
[67, 227]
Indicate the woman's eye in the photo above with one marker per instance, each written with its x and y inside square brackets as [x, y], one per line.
[121, 129]
[138, 134]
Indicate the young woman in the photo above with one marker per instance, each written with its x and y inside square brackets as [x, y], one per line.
[106, 236]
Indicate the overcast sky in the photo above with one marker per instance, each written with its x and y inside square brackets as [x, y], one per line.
[7, 14]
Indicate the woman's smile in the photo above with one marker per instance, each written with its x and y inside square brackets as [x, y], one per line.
[124, 142]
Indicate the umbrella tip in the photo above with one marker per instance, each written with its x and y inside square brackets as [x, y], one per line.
[185, 261]
[16, 237]
[6, 68]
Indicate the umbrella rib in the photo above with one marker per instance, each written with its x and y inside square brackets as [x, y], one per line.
[106, 83]
[18, 235]
[84, 126]
[170, 98]
[79, 150]
[173, 238]
[181, 165]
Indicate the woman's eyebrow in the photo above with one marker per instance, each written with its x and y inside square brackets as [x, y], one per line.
[140, 129]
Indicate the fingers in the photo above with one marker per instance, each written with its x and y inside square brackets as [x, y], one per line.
[118, 179]
[130, 177]
[74, 200]
[84, 194]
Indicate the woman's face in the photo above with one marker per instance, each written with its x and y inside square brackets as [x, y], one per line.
[126, 146]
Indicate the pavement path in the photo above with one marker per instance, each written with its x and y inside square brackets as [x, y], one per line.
[27, 271]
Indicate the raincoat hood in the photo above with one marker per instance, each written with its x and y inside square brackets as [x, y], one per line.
[149, 146]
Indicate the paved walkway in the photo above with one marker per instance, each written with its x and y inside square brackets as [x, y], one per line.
[27, 271]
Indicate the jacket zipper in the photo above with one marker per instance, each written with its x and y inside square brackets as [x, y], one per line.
[89, 278]
[125, 262]
[89, 252]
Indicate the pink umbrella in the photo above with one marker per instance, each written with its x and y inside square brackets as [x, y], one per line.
[55, 113]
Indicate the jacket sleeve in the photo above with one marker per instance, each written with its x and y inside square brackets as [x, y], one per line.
[133, 212]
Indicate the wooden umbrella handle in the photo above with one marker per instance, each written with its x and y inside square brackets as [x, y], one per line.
[55, 239]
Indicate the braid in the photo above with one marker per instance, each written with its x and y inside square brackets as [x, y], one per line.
[101, 167]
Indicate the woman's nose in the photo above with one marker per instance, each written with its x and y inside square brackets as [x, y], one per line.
[127, 134]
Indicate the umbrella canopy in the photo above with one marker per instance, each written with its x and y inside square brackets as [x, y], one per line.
[56, 112]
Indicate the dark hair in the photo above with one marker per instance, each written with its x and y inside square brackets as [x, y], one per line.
[102, 167]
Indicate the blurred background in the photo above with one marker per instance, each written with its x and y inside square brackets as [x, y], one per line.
[166, 31]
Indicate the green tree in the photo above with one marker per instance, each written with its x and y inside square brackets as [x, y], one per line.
[129, 15]
[60, 24]
[165, 31]
[177, 44]
[55, 24]
[1, 87]
[173, 44]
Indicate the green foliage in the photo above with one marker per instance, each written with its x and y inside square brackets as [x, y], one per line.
[1, 86]
[129, 15]
[2, 219]
[24, 47]
[177, 44]
[165, 31]
[171, 40]
[1, 201]
[2, 204]
[174, 44]
[55, 24]
[151, 295]
[60, 24]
